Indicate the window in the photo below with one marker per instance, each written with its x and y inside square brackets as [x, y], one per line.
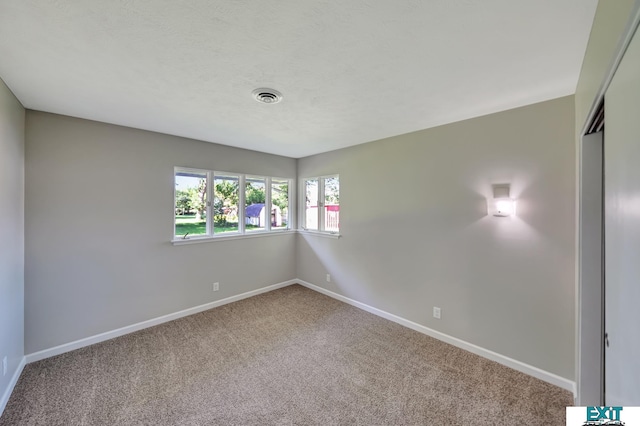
[280, 203]
[311, 204]
[322, 204]
[256, 212]
[225, 203]
[191, 206]
[208, 204]
[331, 205]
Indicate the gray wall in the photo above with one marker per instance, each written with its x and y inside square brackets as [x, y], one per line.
[416, 234]
[99, 219]
[11, 233]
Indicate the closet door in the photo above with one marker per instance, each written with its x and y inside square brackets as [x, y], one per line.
[622, 231]
[590, 359]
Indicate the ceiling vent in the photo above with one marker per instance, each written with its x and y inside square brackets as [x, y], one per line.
[267, 96]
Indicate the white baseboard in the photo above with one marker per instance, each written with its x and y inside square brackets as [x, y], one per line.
[494, 356]
[12, 384]
[485, 353]
[67, 347]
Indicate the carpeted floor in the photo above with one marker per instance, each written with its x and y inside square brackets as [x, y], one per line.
[288, 357]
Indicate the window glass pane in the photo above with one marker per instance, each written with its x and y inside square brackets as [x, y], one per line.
[280, 203]
[190, 203]
[225, 203]
[311, 204]
[332, 204]
[255, 211]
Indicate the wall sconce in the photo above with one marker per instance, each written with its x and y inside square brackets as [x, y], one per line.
[502, 205]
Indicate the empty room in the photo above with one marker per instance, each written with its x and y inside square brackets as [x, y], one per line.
[319, 212]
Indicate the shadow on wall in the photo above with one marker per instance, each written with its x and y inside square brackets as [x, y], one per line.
[380, 242]
[460, 257]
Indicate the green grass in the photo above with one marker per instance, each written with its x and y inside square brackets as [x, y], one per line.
[228, 228]
[189, 224]
[196, 228]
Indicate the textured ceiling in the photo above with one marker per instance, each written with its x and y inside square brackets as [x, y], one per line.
[350, 71]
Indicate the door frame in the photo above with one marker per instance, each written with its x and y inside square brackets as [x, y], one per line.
[590, 325]
[582, 334]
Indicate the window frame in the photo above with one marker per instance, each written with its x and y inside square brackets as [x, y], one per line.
[210, 196]
[267, 199]
[208, 193]
[223, 175]
[290, 205]
[320, 202]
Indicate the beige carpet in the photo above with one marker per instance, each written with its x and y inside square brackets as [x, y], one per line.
[288, 357]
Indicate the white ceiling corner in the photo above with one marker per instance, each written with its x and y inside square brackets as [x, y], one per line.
[349, 71]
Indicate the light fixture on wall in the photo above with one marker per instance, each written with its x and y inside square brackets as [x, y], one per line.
[502, 205]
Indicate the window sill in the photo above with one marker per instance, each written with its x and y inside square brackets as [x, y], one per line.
[208, 239]
[333, 235]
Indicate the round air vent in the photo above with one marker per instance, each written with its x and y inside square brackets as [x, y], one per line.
[267, 96]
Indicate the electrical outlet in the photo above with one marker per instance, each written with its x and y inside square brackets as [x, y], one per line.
[216, 286]
[4, 366]
[328, 278]
[436, 312]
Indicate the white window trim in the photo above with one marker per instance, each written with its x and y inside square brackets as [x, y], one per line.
[208, 175]
[241, 196]
[241, 233]
[320, 203]
[323, 234]
[267, 202]
[291, 194]
[210, 239]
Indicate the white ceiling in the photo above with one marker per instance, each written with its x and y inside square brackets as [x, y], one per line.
[350, 71]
